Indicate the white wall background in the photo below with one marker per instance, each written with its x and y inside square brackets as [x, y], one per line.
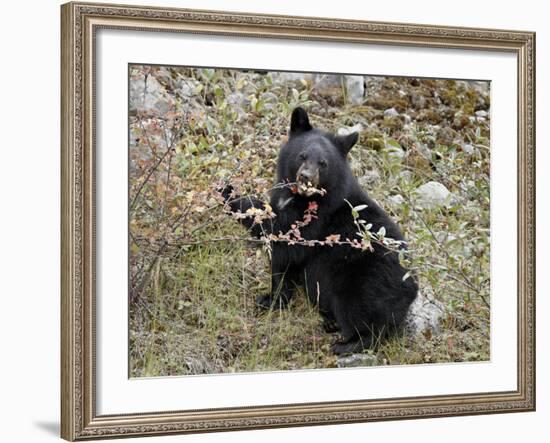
[29, 219]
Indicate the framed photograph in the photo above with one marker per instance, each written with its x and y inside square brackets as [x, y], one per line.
[277, 221]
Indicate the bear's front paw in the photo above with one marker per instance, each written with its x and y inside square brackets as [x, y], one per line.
[226, 192]
[267, 301]
[330, 325]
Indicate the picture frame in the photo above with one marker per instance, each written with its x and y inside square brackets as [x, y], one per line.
[81, 22]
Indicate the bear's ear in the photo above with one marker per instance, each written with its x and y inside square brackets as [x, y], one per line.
[299, 122]
[346, 142]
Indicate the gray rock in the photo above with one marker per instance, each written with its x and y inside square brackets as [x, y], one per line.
[432, 195]
[148, 95]
[406, 175]
[394, 150]
[482, 113]
[423, 149]
[357, 360]
[326, 83]
[198, 366]
[480, 86]
[418, 101]
[369, 178]
[373, 80]
[445, 136]
[391, 112]
[468, 149]
[396, 153]
[292, 77]
[355, 88]
[238, 99]
[356, 166]
[396, 200]
[269, 97]
[347, 130]
[425, 314]
[187, 87]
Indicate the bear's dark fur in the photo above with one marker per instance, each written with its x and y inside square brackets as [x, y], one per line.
[360, 293]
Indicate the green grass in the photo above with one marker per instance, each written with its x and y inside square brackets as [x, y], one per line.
[202, 318]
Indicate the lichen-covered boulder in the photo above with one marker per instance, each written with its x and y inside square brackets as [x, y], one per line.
[425, 314]
[433, 194]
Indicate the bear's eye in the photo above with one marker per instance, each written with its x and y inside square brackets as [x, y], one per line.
[302, 156]
[323, 163]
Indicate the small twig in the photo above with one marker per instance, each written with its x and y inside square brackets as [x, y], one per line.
[151, 170]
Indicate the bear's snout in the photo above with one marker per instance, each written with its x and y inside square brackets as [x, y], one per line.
[306, 176]
[308, 180]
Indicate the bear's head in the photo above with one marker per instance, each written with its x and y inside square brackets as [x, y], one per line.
[313, 159]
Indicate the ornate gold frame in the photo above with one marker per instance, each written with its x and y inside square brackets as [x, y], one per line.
[79, 21]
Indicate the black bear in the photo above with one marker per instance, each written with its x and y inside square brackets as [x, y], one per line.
[363, 293]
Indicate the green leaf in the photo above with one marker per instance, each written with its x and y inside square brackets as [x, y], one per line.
[198, 89]
[393, 143]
